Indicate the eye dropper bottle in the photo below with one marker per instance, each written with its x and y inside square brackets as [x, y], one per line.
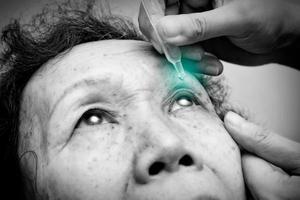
[173, 55]
[151, 11]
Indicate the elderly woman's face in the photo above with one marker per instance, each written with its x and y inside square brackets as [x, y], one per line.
[110, 120]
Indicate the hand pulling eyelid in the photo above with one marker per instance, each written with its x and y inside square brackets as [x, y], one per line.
[150, 12]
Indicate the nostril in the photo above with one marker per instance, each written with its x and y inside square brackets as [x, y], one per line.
[186, 160]
[156, 168]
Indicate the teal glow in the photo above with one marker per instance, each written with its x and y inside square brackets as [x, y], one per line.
[191, 68]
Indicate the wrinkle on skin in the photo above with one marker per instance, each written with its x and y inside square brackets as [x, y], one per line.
[106, 157]
[32, 118]
[82, 83]
[32, 151]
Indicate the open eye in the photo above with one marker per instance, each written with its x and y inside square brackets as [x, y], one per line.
[95, 117]
[182, 101]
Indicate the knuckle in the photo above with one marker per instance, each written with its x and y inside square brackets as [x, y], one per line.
[199, 27]
[162, 25]
[261, 135]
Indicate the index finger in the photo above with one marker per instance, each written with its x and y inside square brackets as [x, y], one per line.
[270, 146]
[190, 3]
[173, 6]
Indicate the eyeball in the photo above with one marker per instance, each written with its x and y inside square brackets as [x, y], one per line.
[95, 117]
[181, 102]
[94, 120]
[184, 102]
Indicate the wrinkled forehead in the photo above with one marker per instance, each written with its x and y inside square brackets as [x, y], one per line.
[108, 56]
[117, 64]
[110, 60]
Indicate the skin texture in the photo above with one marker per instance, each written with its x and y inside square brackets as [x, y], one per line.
[142, 124]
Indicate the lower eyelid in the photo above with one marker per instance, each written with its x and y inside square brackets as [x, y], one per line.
[186, 111]
[99, 127]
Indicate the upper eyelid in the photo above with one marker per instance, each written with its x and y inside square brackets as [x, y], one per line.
[183, 91]
[104, 112]
[96, 107]
[170, 98]
[175, 93]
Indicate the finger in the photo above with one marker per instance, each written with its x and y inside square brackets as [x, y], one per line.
[172, 7]
[190, 28]
[195, 3]
[162, 4]
[274, 148]
[208, 65]
[193, 52]
[172, 10]
[191, 3]
[266, 181]
[192, 6]
[185, 6]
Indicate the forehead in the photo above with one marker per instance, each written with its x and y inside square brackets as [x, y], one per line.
[110, 59]
[112, 64]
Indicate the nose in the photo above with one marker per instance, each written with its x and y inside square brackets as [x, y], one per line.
[165, 153]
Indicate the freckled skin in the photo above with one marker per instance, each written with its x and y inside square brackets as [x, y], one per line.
[112, 161]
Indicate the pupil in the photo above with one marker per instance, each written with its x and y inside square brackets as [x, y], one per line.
[94, 120]
[184, 102]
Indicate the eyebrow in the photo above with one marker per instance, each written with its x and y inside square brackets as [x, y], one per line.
[80, 84]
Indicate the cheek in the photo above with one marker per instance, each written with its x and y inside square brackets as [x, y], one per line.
[210, 137]
[205, 133]
[91, 164]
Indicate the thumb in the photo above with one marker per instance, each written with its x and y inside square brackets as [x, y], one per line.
[186, 29]
[265, 181]
[270, 146]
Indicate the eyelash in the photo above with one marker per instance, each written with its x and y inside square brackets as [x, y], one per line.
[102, 115]
[182, 94]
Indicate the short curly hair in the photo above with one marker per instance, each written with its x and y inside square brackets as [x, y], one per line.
[28, 46]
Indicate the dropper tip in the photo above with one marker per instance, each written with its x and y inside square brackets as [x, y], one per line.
[179, 69]
[180, 76]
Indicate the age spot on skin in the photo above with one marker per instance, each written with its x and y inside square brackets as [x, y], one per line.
[88, 148]
[213, 170]
[233, 148]
[95, 159]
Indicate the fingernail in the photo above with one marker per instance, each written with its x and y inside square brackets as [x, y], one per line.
[212, 70]
[233, 120]
[211, 66]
